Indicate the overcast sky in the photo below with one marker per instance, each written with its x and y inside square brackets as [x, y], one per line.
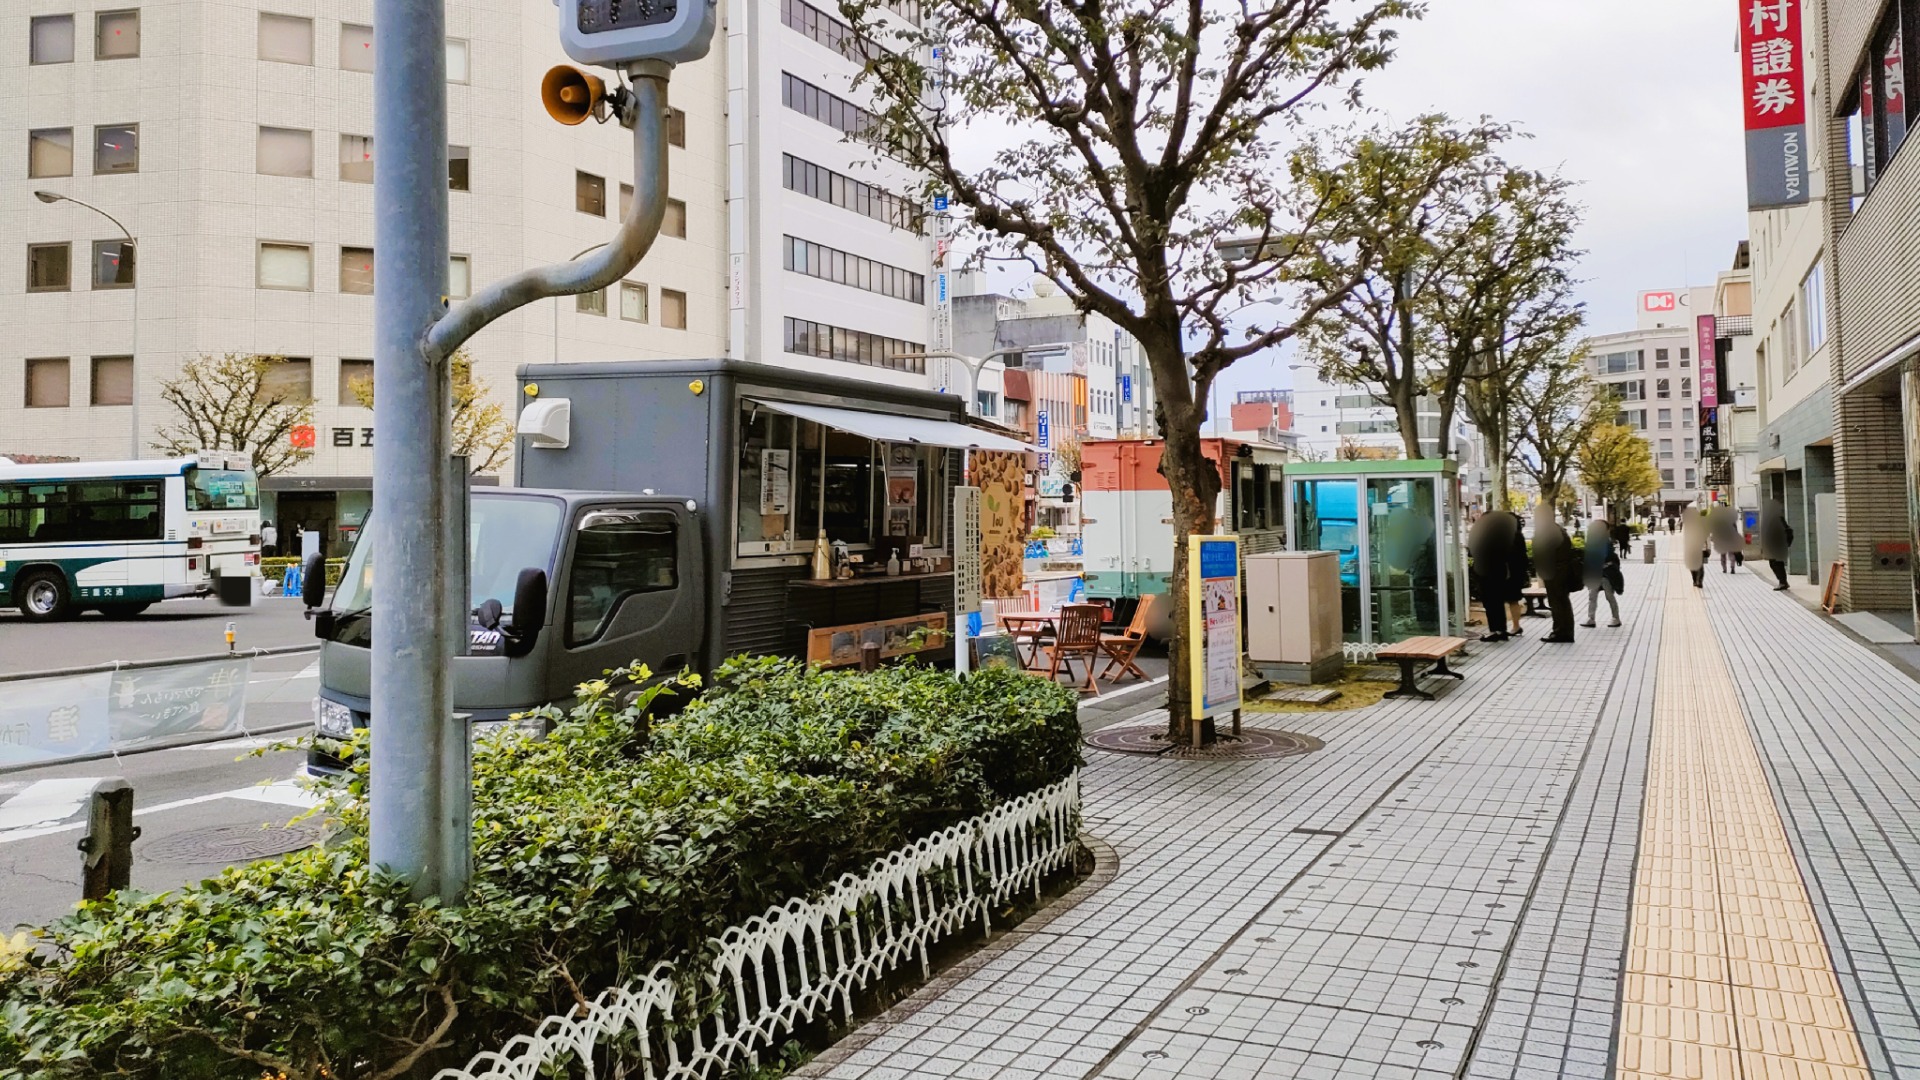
[1637, 100]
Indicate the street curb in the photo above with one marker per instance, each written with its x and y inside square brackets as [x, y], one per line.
[211, 737]
[136, 665]
[1109, 709]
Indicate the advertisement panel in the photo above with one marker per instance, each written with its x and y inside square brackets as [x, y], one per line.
[1704, 343]
[156, 705]
[1773, 83]
[1213, 623]
[48, 720]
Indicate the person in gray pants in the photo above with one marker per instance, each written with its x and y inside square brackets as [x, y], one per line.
[1601, 564]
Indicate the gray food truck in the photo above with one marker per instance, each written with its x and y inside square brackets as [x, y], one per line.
[668, 512]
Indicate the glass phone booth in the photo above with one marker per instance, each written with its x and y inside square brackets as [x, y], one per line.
[1397, 528]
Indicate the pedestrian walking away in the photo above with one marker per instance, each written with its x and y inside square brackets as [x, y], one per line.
[1498, 570]
[1693, 545]
[1560, 572]
[269, 539]
[1723, 526]
[1601, 570]
[1622, 534]
[1776, 540]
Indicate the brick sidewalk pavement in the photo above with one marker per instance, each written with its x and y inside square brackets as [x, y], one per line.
[1444, 889]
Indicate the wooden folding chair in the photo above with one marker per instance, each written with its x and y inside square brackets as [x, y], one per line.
[1078, 638]
[1121, 648]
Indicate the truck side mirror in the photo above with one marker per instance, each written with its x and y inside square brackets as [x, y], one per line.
[313, 581]
[529, 611]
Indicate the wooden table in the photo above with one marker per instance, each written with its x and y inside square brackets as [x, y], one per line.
[1418, 650]
[1029, 626]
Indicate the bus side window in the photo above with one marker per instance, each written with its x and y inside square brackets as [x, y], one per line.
[611, 562]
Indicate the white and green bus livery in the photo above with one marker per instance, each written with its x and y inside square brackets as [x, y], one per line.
[117, 536]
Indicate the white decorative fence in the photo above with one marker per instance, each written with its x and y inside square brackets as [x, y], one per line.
[805, 959]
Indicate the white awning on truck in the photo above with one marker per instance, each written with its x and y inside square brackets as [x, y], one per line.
[884, 427]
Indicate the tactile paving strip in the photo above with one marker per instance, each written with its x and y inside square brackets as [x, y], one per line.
[1727, 974]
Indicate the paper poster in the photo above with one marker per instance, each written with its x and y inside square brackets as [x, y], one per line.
[776, 481]
[1213, 623]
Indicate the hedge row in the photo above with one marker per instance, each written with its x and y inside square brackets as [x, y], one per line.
[598, 851]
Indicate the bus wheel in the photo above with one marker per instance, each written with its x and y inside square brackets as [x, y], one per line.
[42, 596]
[124, 611]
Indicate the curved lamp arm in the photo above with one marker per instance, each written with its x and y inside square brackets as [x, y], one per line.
[606, 265]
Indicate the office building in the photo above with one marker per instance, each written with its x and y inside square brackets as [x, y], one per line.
[1653, 375]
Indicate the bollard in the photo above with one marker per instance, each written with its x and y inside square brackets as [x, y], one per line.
[1646, 551]
[230, 637]
[107, 850]
[870, 656]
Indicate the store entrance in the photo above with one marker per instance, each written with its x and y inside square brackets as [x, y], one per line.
[307, 511]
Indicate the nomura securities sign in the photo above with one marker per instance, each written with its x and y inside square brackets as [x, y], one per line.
[1773, 80]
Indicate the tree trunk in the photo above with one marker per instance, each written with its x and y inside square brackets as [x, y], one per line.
[1194, 484]
[1406, 413]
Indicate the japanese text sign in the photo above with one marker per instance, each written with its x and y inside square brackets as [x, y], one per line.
[1709, 361]
[1774, 85]
[1213, 623]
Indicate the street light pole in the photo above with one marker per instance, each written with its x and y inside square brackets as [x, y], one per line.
[558, 300]
[133, 361]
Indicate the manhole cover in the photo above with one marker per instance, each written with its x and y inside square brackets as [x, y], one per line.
[1250, 743]
[233, 843]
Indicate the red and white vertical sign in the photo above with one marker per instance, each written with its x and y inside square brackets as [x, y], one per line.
[1774, 82]
[1709, 362]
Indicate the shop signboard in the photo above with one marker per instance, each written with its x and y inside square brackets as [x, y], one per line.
[1213, 623]
[1774, 85]
[1706, 337]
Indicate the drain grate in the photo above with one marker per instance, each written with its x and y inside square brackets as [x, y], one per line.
[1250, 743]
[233, 843]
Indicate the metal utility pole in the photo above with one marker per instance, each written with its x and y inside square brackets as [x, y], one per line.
[420, 790]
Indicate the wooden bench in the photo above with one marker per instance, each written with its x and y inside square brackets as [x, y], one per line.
[1536, 598]
[1413, 651]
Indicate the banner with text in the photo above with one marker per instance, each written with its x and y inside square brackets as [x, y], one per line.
[43, 721]
[1774, 84]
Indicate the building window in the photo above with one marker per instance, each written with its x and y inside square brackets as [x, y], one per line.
[356, 47]
[830, 264]
[1619, 363]
[50, 40]
[50, 152]
[1686, 418]
[112, 380]
[677, 127]
[830, 109]
[1790, 339]
[1666, 477]
[1666, 449]
[1813, 305]
[1687, 445]
[284, 152]
[1880, 110]
[674, 223]
[117, 35]
[116, 148]
[673, 309]
[626, 201]
[288, 378]
[820, 182]
[49, 267]
[286, 39]
[458, 177]
[457, 64]
[47, 384]
[1686, 353]
[356, 159]
[1666, 419]
[356, 271]
[591, 303]
[633, 301]
[589, 194]
[355, 373]
[459, 278]
[1659, 358]
[1686, 389]
[284, 266]
[807, 338]
[1663, 388]
[113, 264]
[986, 402]
[1692, 478]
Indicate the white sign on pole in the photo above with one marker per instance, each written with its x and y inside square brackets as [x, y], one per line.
[966, 571]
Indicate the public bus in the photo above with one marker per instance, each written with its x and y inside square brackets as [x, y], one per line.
[118, 536]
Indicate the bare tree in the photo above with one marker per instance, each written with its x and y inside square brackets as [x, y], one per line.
[1136, 135]
[1555, 413]
[481, 430]
[239, 402]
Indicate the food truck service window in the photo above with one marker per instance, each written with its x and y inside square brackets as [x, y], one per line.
[794, 478]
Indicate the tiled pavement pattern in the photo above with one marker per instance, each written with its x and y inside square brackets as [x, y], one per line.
[1239, 893]
[1478, 927]
[1838, 729]
[1727, 973]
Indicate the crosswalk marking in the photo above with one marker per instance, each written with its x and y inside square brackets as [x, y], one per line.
[45, 801]
[42, 808]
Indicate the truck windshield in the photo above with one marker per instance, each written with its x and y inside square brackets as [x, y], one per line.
[507, 535]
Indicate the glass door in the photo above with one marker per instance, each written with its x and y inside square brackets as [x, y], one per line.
[1403, 558]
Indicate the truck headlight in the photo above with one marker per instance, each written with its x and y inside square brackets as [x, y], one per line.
[332, 719]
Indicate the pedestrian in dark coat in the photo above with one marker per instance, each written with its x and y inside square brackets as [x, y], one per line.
[1491, 574]
[1776, 540]
[1693, 545]
[1723, 525]
[1622, 535]
[1602, 571]
[1560, 573]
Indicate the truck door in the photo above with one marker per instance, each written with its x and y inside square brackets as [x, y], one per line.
[630, 589]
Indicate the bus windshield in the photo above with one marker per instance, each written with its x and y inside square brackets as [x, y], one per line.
[222, 489]
[507, 535]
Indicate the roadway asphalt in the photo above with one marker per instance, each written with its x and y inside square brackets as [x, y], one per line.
[173, 628]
